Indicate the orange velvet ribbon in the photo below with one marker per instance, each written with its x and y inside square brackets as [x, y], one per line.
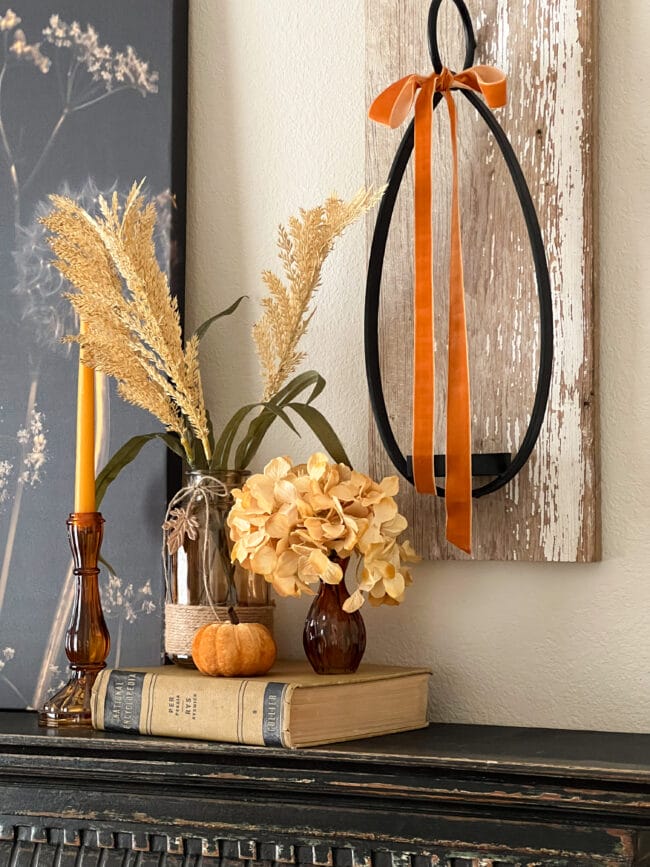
[391, 108]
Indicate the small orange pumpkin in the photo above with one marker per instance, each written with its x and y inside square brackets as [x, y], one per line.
[233, 649]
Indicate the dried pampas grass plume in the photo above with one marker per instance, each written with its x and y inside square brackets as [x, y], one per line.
[132, 323]
[303, 248]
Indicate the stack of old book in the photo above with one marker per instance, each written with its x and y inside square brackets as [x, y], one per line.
[289, 707]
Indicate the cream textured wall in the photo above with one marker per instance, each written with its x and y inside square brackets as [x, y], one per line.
[277, 119]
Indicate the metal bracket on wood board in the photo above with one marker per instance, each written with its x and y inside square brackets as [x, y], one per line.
[501, 465]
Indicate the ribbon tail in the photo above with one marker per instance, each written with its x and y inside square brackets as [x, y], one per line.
[459, 458]
[423, 358]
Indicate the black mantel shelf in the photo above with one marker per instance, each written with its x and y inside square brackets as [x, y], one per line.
[448, 795]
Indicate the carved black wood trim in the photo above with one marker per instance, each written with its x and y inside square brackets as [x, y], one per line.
[39, 846]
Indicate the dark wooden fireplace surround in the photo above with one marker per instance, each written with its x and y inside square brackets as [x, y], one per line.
[451, 795]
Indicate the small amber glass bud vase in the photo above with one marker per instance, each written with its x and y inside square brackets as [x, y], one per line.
[87, 641]
[334, 640]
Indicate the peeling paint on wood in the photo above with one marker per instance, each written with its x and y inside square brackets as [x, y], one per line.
[551, 511]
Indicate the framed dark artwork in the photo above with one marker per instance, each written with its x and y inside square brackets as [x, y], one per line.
[92, 97]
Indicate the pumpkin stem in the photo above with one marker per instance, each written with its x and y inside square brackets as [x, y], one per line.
[232, 615]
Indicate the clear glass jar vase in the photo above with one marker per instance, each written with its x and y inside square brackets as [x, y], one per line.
[202, 582]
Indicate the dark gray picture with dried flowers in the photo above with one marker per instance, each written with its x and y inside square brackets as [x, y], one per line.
[92, 98]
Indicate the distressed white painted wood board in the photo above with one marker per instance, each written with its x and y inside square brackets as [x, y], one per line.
[551, 511]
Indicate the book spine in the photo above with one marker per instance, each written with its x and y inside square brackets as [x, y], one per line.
[235, 710]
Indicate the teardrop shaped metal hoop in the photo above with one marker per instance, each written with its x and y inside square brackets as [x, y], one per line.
[376, 264]
[432, 27]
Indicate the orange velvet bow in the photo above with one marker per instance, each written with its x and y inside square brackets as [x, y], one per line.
[391, 107]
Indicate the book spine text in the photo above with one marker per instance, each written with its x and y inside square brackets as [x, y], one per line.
[235, 710]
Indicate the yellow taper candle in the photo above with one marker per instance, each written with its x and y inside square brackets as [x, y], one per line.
[84, 483]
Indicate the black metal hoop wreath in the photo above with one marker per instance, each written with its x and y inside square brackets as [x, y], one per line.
[501, 465]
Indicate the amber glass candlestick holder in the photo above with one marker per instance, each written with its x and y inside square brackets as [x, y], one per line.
[87, 641]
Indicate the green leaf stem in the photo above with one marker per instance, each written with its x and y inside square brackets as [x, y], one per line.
[203, 327]
[323, 430]
[129, 452]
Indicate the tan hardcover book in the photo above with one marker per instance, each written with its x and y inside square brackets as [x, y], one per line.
[290, 706]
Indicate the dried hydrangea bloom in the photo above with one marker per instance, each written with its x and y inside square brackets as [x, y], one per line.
[294, 524]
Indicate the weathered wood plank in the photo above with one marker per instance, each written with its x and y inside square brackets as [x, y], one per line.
[551, 511]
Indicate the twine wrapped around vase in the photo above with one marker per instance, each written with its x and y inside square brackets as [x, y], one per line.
[195, 527]
[182, 622]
